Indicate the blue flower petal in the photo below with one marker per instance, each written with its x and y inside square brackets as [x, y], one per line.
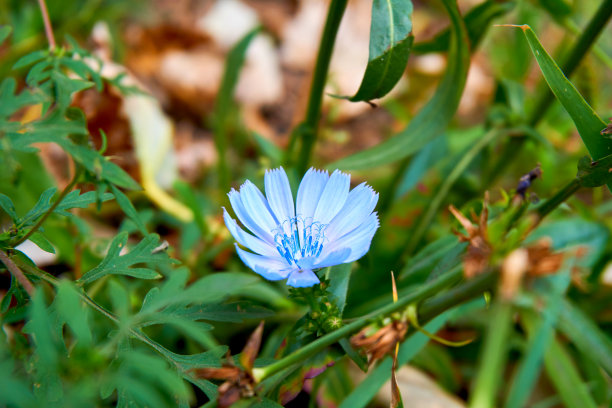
[245, 218]
[333, 197]
[269, 268]
[302, 279]
[359, 205]
[278, 193]
[245, 239]
[310, 191]
[358, 240]
[308, 195]
[257, 207]
[335, 258]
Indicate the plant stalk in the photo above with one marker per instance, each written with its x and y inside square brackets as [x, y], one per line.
[308, 129]
[331, 338]
[566, 192]
[46, 215]
[47, 22]
[17, 273]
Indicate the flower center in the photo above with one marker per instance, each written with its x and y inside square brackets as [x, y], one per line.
[299, 238]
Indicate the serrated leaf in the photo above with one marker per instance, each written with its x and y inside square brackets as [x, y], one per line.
[41, 206]
[65, 87]
[9, 208]
[5, 31]
[11, 102]
[40, 72]
[99, 165]
[434, 117]
[83, 70]
[390, 42]
[30, 58]
[128, 208]
[116, 264]
[588, 123]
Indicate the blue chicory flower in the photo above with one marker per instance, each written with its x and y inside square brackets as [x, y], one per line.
[327, 226]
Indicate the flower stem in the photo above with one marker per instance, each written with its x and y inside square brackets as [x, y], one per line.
[322, 342]
[549, 205]
[47, 22]
[17, 273]
[307, 130]
[42, 219]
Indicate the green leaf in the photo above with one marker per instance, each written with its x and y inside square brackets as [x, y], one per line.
[588, 123]
[224, 105]
[586, 335]
[5, 31]
[128, 208]
[42, 206]
[236, 312]
[477, 21]
[420, 265]
[65, 87]
[30, 58]
[12, 102]
[493, 356]
[9, 208]
[434, 117]
[76, 200]
[71, 310]
[72, 200]
[339, 276]
[116, 264]
[42, 242]
[40, 327]
[390, 42]
[268, 149]
[565, 377]
[595, 173]
[99, 165]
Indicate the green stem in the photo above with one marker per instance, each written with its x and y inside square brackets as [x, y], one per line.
[475, 286]
[556, 200]
[46, 215]
[308, 129]
[441, 194]
[493, 357]
[331, 338]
